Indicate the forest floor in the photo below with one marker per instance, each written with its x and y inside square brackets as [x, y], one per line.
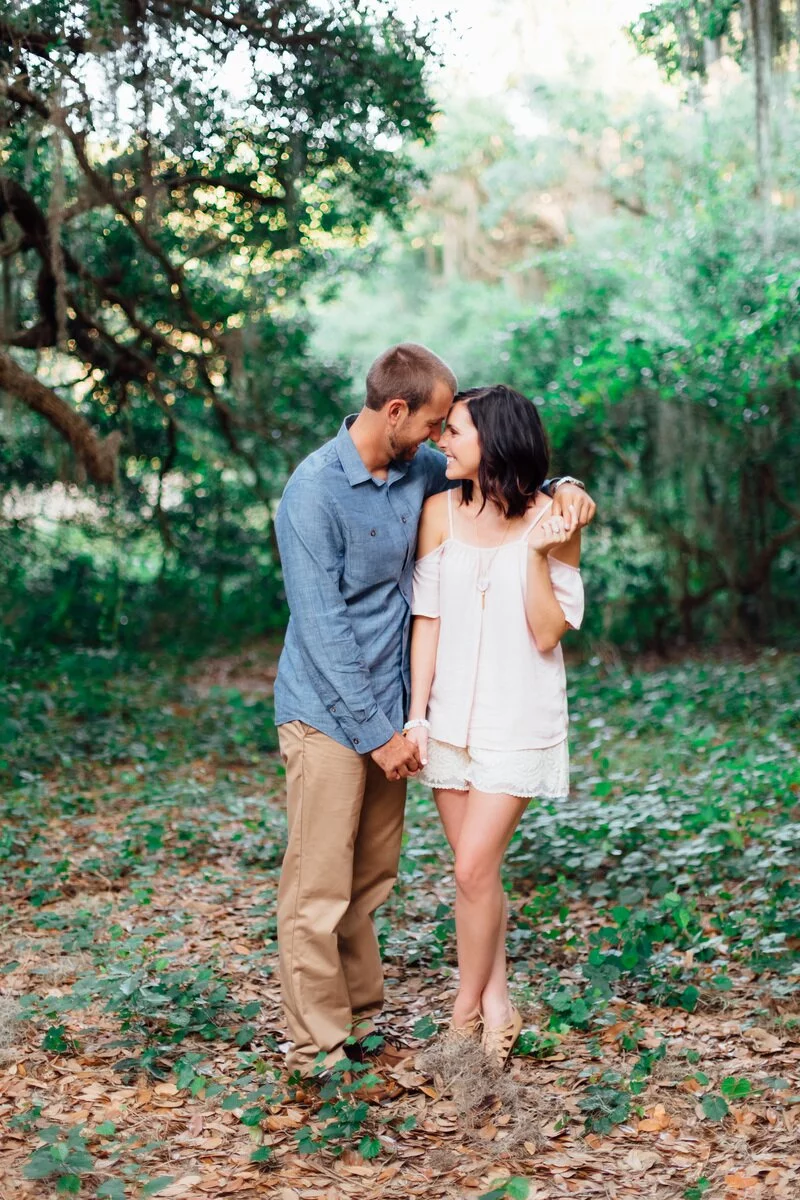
[654, 938]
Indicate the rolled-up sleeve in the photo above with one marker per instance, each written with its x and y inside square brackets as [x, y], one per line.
[425, 594]
[568, 590]
[312, 554]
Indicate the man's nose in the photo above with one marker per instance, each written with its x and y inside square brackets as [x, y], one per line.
[436, 436]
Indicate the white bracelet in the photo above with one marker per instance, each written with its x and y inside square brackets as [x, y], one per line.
[417, 723]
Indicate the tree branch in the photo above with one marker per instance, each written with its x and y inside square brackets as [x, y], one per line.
[98, 457]
[103, 187]
[756, 577]
[240, 187]
[240, 22]
[772, 490]
[39, 41]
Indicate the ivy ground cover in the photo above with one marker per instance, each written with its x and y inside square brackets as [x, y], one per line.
[653, 942]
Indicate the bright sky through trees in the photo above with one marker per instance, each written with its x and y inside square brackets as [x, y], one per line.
[486, 46]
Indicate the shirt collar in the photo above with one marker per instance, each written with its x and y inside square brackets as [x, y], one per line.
[352, 463]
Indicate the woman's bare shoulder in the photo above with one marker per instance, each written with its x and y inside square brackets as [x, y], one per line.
[433, 525]
[435, 507]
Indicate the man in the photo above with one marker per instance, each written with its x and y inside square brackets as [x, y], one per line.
[347, 531]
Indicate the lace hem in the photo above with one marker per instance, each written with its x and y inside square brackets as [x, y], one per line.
[521, 773]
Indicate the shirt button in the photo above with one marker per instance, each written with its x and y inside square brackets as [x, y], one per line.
[333, 708]
[355, 741]
[404, 520]
[372, 532]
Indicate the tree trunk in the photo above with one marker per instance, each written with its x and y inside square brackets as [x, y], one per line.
[712, 50]
[761, 26]
[97, 457]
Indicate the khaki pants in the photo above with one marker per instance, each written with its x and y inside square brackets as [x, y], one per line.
[345, 831]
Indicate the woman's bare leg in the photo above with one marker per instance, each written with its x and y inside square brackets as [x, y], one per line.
[495, 1002]
[495, 1005]
[452, 806]
[479, 827]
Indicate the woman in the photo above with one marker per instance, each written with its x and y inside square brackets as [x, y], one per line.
[496, 587]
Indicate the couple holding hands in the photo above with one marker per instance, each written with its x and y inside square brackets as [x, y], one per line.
[429, 590]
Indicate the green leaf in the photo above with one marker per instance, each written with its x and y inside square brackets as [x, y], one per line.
[262, 1154]
[425, 1027]
[514, 1187]
[369, 1147]
[71, 1184]
[50, 1134]
[695, 1191]
[112, 1189]
[689, 998]
[723, 982]
[55, 1040]
[735, 1088]
[714, 1107]
[252, 1116]
[105, 1129]
[517, 1188]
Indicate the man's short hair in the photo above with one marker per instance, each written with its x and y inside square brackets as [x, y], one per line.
[408, 371]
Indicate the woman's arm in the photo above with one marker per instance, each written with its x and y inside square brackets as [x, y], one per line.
[424, 644]
[425, 626]
[545, 615]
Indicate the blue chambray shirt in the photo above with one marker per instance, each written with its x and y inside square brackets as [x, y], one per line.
[347, 544]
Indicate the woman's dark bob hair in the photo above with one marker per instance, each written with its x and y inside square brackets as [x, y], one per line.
[514, 451]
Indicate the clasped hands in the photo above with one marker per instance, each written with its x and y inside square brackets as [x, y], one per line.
[553, 531]
[404, 755]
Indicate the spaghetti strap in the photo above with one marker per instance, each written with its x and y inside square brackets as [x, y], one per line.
[450, 510]
[532, 524]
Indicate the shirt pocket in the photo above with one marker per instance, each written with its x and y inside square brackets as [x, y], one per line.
[374, 555]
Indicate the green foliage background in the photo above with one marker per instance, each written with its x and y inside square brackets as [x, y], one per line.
[661, 342]
[655, 318]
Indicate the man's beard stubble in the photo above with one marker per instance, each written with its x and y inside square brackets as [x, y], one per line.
[400, 451]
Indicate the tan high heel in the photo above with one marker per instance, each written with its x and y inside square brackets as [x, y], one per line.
[460, 1034]
[498, 1043]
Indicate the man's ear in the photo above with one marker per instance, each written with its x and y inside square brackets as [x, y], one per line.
[396, 409]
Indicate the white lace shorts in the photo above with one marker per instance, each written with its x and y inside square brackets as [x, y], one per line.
[522, 773]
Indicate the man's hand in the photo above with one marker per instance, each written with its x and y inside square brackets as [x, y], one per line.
[575, 506]
[398, 758]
